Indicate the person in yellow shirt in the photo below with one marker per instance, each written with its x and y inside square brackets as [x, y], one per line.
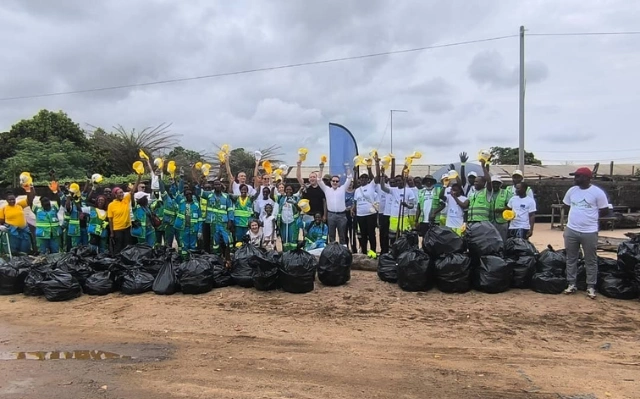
[14, 223]
[119, 214]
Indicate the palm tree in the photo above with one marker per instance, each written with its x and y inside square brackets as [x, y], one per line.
[122, 146]
[243, 160]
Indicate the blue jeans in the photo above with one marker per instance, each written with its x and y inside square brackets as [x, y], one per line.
[20, 241]
[48, 245]
[518, 233]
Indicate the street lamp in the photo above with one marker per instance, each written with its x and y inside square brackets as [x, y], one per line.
[391, 116]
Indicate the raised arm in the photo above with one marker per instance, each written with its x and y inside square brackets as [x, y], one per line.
[486, 175]
[299, 174]
[463, 175]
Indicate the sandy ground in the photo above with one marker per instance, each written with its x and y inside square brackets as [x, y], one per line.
[367, 339]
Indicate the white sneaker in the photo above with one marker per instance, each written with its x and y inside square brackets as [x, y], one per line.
[571, 289]
[591, 292]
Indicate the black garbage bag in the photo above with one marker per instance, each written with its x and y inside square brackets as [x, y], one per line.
[581, 276]
[483, 239]
[517, 247]
[548, 283]
[492, 276]
[334, 266]
[134, 254]
[20, 262]
[78, 267]
[34, 277]
[241, 270]
[101, 262]
[298, 271]
[387, 268]
[408, 241]
[195, 276]
[618, 286]
[414, 271]
[221, 276]
[629, 254]
[59, 285]
[136, 281]
[12, 278]
[265, 271]
[166, 282]
[523, 268]
[99, 283]
[608, 266]
[153, 265]
[441, 241]
[453, 273]
[83, 251]
[552, 261]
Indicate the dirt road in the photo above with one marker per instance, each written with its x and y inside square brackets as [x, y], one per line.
[364, 340]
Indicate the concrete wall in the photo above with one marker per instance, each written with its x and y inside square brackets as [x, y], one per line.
[625, 193]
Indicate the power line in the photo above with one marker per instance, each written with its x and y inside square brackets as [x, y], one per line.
[247, 71]
[585, 33]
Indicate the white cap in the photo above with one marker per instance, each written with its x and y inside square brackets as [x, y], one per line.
[517, 172]
[139, 195]
[444, 176]
[496, 178]
[474, 174]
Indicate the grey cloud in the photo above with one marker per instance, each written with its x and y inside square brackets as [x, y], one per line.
[568, 137]
[488, 68]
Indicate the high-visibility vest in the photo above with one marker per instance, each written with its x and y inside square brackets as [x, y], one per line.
[140, 215]
[47, 224]
[204, 200]
[499, 201]
[435, 198]
[479, 207]
[72, 220]
[169, 210]
[98, 222]
[194, 212]
[220, 207]
[243, 212]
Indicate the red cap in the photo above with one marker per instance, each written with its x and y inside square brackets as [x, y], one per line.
[586, 172]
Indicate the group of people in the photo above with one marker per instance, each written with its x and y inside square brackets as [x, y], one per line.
[209, 215]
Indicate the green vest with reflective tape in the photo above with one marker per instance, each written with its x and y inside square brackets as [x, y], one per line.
[242, 213]
[204, 201]
[499, 201]
[219, 208]
[47, 224]
[97, 224]
[435, 198]
[479, 207]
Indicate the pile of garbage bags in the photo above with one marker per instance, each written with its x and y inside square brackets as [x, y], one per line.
[480, 260]
[141, 268]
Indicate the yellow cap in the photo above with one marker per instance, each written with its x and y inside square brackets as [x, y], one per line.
[25, 179]
[323, 158]
[142, 154]
[205, 169]
[302, 154]
[225, 148]
[198, 165]
[96, 178]
[74, 188]
[416, 155]
[171, 167]
[304, 206]
[484, 155]
[266, 165]
[508, 214]
[138, 167]
[222, 156]
[158, 162]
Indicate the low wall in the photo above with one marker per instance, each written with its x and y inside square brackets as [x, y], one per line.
[548, 192]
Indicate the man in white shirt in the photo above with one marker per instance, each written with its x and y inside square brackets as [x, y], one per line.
[401, 199]
[241, 179]
[383, 216]
[525, 209]
[586, 204]
[469, 188]
[366, 212]
[336, 206]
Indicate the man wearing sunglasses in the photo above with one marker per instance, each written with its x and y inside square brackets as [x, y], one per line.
[336, 206]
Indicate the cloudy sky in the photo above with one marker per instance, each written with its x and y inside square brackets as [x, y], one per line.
[581, 101]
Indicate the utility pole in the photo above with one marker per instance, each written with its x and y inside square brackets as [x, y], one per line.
[522, 91]
[391, 123]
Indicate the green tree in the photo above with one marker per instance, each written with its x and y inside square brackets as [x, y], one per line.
[120, 148]
[185, 157]
[44, 126]
[510, 156]
[38, 158]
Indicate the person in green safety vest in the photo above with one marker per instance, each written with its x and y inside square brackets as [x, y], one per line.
[141, 225]
[203, 192]
[429, 202]
[243, 211]
[48, 228]
[222, 220]
[315, 233]
[168, 209]
[288, 216]
[73, 212]
[479, 206]
[498, 203]
[188, 222]
[98, 225]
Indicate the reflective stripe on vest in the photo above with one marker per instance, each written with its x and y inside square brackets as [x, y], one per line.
[241, 213]
[499, 202]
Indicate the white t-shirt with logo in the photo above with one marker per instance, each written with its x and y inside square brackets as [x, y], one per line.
[398, 195]
[585, 208]
[427, 204]
[522, 208]
[455, 213]
[365, 197]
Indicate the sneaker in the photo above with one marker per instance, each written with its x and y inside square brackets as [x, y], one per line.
[591, 292]
[571, 289]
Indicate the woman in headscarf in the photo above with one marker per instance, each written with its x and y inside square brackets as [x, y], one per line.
[98, 225]
[142, 224]
[14, 223]
[288, 219]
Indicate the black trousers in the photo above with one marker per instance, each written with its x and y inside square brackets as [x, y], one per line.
[367, 226]
[206, 238]
[121, 238]
[384, 233]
